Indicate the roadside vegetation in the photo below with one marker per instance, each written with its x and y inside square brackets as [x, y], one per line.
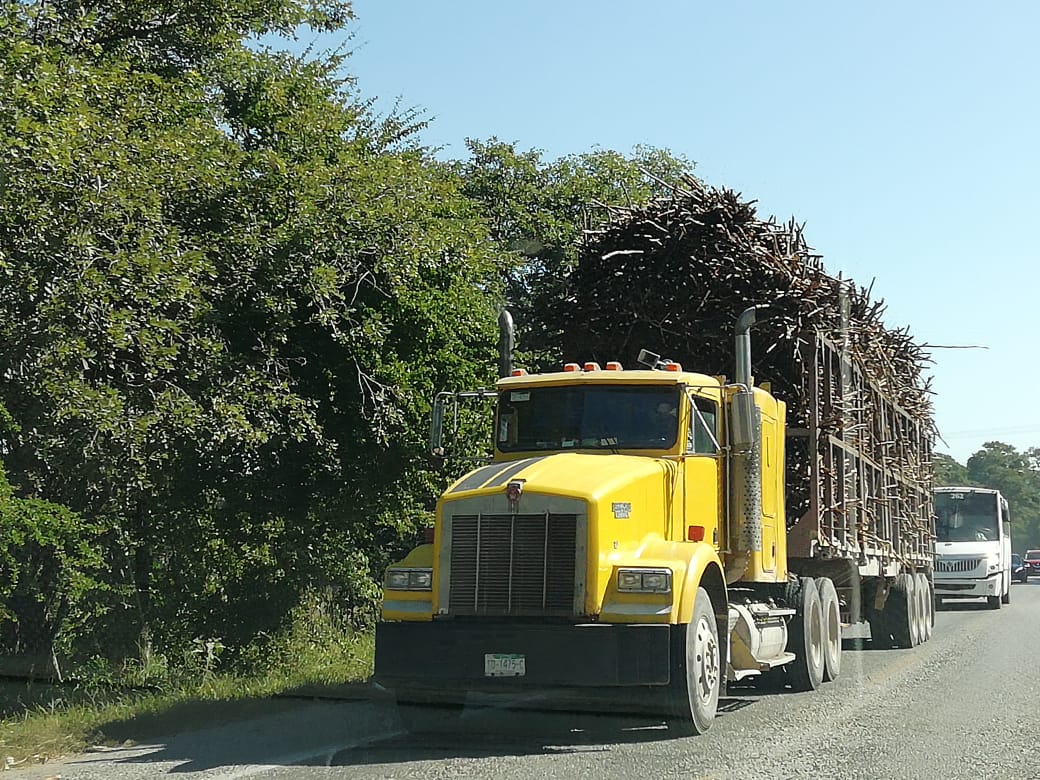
[229, 289]
[318, 654]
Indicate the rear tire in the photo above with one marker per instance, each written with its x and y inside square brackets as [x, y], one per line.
[805, 673]
[916, 611]
[831, 611]
[696, 675]
[899, 611]
[924, 591]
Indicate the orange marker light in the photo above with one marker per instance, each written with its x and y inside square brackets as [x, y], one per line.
[590, 366]
[571, 367]
[613, 365]
[673, 367]
[695, 533]
[518, 372]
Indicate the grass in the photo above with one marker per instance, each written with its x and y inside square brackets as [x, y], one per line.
[40, 722]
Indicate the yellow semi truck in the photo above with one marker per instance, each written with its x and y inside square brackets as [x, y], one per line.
[630, 536]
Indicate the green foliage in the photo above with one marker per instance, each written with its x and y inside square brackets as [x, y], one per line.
[171, 35]
[228, 295]
[949, 472]
[51, 574]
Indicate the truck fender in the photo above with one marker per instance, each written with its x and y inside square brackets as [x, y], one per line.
[704, 570]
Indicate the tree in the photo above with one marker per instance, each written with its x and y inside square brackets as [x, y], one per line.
[948, 471]
[228, 295]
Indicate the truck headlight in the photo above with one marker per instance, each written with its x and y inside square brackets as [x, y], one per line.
[644, 580]
[408, 579]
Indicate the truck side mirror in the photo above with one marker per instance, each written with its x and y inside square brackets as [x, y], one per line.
[437, 425]
[440, 411]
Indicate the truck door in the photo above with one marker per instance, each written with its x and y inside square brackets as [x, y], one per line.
[702, 471]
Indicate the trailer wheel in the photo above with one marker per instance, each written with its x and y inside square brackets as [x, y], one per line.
[916, 611]
[805, 673]
[831, 612]
[428, 717]
[900, 611]
[880, 631]
[696, 676]
[924, 594]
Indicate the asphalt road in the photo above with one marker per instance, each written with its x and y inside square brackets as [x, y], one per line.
[963, 705]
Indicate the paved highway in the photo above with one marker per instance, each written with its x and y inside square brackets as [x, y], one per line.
[964, 705]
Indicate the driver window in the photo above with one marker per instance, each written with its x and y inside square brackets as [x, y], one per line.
[703, 433]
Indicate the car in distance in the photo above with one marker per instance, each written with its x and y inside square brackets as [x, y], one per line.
[1032, 561]
[1019, 569]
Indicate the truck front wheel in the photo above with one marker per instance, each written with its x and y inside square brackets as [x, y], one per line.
[696, 674]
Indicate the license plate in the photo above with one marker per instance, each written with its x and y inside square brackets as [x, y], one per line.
[504, 665]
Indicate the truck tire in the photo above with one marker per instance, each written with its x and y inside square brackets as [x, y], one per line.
[697, 669]
[831, 611]
[805, 673]
[880, 631]
[924, 593]
[1006, 598]
[993, 601]
[899, 611]
[427, 717]
[916, 618]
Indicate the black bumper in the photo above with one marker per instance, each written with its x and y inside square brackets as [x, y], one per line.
[448, 654]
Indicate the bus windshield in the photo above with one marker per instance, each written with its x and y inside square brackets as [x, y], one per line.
[588, 417]
[966, 517]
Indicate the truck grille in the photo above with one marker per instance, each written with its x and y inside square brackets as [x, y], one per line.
[505, 564]
[963, 565]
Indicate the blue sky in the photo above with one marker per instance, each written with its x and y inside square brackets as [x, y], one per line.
[904, 136]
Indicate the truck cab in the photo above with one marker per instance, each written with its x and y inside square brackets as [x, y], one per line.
[628, 537]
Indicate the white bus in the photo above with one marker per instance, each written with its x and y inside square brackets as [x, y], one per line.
[972, 545]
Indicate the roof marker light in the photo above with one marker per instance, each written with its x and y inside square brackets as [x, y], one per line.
[673, 367]
[518, 372]
[592, 366]
[571, 367]
[613, 365]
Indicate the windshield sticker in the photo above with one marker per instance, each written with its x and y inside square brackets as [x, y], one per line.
[520, 395]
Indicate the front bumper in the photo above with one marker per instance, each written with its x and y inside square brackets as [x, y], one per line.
[968, 588]
[450, 655]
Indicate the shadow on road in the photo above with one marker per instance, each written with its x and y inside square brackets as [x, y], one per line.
[487, 732]
[965, 605]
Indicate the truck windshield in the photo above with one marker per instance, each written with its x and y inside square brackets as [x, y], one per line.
[588, 417]
[966, 517]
